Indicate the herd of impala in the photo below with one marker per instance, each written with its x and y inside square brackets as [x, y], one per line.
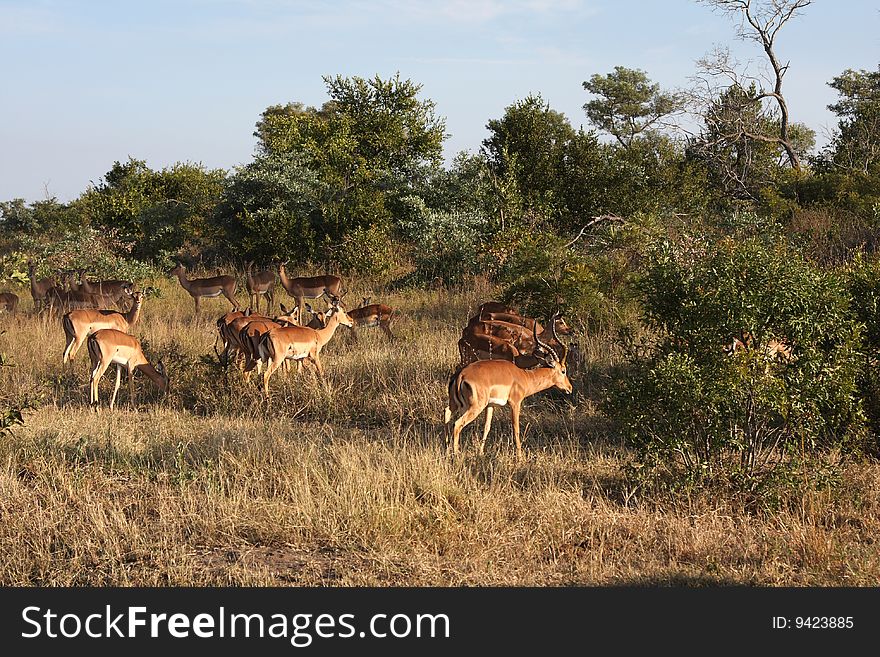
[504, 356]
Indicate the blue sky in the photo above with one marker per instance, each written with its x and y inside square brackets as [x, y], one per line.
[86, 83]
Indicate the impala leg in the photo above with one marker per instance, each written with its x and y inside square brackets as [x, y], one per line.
[197, 301]
[270, 301]
[514, 409]
[131, 372]
[116, 386]
[93, 384]
[232, 300]
[387, 331]
[270, 369]
[486, 428]
[67, 351]
[469, 416]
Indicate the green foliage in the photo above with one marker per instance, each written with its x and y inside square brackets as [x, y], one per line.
[366, 252]
[41, 217]
[695, 411]
[628, 104]
[270, 209]
[159, 211]
[447, 245]
[102, 254]
[856, 143]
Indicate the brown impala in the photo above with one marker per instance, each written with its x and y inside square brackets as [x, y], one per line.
[297, 343]
[114, 289]
[80, 324]
[39, 288]
[309, 287]
[260, 284]
[206, 287]
[489, 383]
[372, 314]
[8, 301]
[111, 347]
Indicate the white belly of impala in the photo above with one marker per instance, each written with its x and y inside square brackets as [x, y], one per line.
[497, 401]
[216, 293]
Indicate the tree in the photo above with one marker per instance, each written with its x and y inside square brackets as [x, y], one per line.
[856, 143]
[368, 144]
[529, 144]
[628, 103]
[761, 21]
[738, 143]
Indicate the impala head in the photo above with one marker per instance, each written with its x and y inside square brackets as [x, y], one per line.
[177, 269]
[548, 358]
[365, 302]
[338, 311]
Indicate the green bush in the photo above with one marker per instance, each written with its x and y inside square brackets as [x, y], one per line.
[694, 410]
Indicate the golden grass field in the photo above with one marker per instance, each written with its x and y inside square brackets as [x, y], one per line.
[348, 484]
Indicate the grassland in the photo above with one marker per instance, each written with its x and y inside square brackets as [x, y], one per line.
[347, 483]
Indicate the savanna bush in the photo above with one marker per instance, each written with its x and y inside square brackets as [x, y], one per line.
[696, 411]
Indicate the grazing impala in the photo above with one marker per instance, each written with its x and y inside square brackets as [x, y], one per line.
[111, 347]
[298, 343]
[80, 324]
[206, 287]
[39, 288]
[309, 287]
[8, 302]
[489, 383]
[260, 284]
[372, 314]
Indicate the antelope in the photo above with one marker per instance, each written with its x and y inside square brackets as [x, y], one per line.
[368, 315]
[486, 384]
[222, 326]
[261, 283]
[62, 300]
[8, 302]
[80, 324]
[496, 307]
[318, 320]
[774, 350]
[114, 289]
[206, 287]
[298, 343]
[111, 347]
[250, 334]
[517, 334]
[309, 287]
[472, 348]
[39, 288]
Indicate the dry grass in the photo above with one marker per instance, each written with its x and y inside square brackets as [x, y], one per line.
[348, 485]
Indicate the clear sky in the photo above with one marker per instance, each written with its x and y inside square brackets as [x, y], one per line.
[86, 83]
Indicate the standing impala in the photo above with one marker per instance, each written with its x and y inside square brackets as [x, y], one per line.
[372, 314]
[111, 347]
[206, 287]
[260, 284]
[81, 323]
[115, 289]
[39, 288]
[309, 287]
[488, 383]
[297, 343]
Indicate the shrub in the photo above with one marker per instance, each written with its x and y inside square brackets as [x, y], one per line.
[695, 411]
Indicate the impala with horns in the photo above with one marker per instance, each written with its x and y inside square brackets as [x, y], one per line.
[298, 343]
[111, 347]
[206, 287]
[261, 283]
[518, 335]
[310, 287]
[370, 315]
[39, 287]
[8, 302]
[80, 324]
[485, 384]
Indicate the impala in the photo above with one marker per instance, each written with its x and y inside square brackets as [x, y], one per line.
[496, 307]
[39, 288]
[8, 302]
[111, 347]
[80, 324]
[222, 327]
[775, 350]
[298, 343]
[486, 384]
[518, 335]
[472, 348]
[260, 284]
[206, 287]
[369, 315]
[114, 289]
[309, 287]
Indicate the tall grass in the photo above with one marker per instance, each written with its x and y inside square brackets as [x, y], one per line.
[345, 482]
